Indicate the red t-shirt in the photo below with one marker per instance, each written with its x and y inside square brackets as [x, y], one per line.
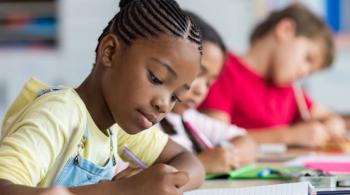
[250, 101]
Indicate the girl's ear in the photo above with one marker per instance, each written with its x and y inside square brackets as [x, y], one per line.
[285, 30]
[109, 47]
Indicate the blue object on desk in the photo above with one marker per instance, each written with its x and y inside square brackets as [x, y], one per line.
[268, 171]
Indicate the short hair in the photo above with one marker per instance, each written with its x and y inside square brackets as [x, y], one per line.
[307, 24]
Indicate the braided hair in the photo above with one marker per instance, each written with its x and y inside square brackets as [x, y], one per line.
[151, 18]
[209, 34]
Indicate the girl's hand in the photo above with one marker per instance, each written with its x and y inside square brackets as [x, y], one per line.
[159, 179]
[219, 160]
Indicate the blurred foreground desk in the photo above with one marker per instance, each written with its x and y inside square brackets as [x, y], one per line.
[292, 153]
[221, 183]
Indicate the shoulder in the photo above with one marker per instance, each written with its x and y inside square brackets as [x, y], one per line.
[65, 99]
[63, 106]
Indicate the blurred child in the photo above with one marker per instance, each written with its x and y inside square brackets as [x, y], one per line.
[240, 150]
[146, 59]
[255, 91]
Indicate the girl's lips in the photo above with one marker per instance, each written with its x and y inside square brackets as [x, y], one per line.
[190, 104]
[143, 121]
[147, 120]
[146, 123]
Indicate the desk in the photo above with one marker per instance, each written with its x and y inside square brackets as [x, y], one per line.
[223, 183]
[238, 183]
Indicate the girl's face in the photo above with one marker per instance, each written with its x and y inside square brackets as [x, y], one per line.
[146, 79]
[212, 63]
[294, 57]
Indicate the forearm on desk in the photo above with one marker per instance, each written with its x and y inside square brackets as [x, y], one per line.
[190, 164]
[178, 157]
[246, 149]
[272, 135]
[7, 187]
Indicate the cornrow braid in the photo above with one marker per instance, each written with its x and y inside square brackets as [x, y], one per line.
[146, 18]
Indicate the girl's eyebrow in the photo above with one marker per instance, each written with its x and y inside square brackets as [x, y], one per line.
[186, 87]
[172, 71]
[167, 66]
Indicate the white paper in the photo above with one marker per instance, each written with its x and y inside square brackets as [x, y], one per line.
[301, 160]
[301, 188]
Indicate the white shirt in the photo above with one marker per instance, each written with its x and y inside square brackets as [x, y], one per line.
[216, 130]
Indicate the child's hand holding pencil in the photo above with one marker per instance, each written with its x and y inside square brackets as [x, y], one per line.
[226, 159]
[159, 179]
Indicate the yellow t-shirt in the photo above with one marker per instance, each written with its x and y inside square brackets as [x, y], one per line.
[35, 132]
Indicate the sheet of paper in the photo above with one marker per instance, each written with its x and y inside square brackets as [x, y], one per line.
[301, 188]
[321, 158]
[329, 166]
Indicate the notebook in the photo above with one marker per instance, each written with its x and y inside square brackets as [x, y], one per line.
[301, 188]
[315, 157]
[252, 172]
[329, 166]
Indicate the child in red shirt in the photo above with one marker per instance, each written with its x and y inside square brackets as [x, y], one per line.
[255, 91]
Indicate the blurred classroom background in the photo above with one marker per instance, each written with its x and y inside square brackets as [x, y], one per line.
[55, 40]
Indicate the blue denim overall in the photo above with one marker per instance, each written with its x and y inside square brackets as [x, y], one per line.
[79, 171]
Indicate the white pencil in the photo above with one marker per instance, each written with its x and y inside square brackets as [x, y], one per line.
[301, 102]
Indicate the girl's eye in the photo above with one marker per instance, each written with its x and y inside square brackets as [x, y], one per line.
[154, 79]
[309, 59]
[174, 98]
[208, 85]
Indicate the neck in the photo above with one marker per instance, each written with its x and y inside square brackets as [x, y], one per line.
[91, 93]
[259, 55]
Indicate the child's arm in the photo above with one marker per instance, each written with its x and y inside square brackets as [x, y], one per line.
[216, 130]
[153, 146]
[299, 133]
[176, 156]
[156, 180]
[308, 134]
[7, 187]
[221, 160]
[323, 126]
[245, 147]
